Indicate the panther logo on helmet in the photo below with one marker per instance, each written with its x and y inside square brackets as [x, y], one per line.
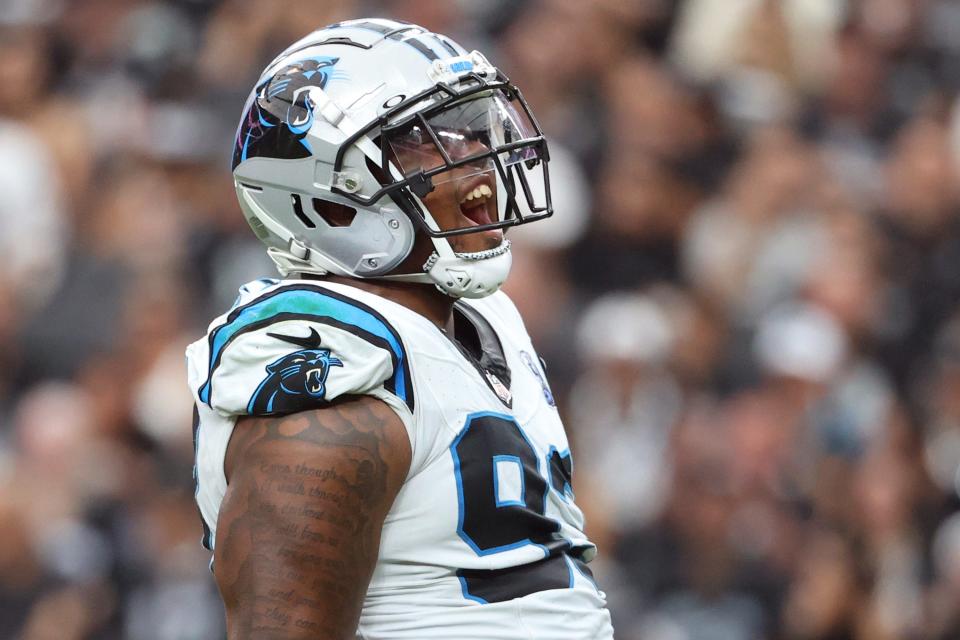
[278, 119]
[296, 381]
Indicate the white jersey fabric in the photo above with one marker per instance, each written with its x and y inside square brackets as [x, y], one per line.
[484, 540]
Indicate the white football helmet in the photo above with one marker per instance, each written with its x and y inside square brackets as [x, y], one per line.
[349, 128]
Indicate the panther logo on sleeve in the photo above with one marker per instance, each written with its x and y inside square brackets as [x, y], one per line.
[297, 381]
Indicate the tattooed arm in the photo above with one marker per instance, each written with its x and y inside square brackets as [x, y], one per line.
[299, 527]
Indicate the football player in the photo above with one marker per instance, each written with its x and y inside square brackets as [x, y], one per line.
[378, 453]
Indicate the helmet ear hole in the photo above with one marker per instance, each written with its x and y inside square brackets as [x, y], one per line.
[298, 211]
[333, 213]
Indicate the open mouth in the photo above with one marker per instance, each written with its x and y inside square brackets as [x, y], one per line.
[477, 199]
[314, 381]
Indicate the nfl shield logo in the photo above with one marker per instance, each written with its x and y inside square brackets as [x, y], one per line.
[501, 389]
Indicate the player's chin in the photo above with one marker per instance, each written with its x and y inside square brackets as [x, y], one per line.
[477, 241]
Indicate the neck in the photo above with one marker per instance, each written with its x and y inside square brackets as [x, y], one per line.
[424, 299]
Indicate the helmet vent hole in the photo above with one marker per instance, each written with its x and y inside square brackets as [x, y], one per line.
[298, 211]
[334, 214]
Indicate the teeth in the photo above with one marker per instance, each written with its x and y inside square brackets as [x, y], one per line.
[483, 191]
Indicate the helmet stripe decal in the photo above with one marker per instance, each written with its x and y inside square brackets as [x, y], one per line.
[397, 32]
[366, 24]
[447, 45]
[422, 48]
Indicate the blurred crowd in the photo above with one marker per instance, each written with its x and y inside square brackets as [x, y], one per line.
[748, 300]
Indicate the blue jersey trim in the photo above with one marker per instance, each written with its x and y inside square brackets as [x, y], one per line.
[206, 539]
[566, 491]
[315, 304]
[576, 566]
[467, 594]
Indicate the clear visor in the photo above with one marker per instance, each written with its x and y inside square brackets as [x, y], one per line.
[467, 131]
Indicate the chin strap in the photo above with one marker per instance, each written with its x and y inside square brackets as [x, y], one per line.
[459, 275]
[464, 275]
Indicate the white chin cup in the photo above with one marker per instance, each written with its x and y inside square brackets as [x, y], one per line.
[470, 275]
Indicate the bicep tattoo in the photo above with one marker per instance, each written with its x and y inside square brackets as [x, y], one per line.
[299, 527]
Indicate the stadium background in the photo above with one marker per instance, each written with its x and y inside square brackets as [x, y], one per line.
[748, 300]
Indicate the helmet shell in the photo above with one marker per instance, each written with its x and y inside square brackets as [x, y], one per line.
[298, 116]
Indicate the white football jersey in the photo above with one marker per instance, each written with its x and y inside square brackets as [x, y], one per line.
[484, 540]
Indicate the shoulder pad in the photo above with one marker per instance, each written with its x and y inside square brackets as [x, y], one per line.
[297, 347]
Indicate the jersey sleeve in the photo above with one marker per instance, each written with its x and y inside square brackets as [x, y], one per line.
[298, 348]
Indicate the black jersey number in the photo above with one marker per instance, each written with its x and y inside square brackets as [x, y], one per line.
[498, 513]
